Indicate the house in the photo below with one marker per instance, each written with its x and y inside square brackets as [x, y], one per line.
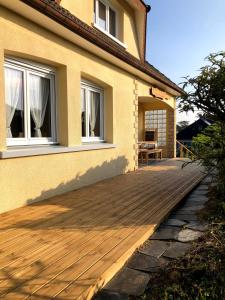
[186, 135]
[76, 95]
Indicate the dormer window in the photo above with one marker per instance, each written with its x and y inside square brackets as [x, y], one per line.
[105, 17]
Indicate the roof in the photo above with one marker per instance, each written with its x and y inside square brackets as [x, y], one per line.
[61, 15]
[194, 129]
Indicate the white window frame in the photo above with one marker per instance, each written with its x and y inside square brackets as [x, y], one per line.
[29, 67]
[107, 5]
[90, 87]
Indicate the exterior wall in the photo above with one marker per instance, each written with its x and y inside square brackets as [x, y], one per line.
[84, 10]
[27, 179]
[130, 37]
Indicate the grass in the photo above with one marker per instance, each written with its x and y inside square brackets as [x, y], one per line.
[200, 274]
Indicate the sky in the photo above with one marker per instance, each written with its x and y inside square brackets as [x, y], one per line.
[181, 33]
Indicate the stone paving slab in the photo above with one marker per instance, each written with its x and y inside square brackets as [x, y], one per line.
[201, 198]
[197, 226]
[166, 233]
[154, 248]
[182, 211]
[147, 263]
[176, 250]
[188, 210]
[185, 217]
[109, 295]
[196, 202]
[199, 193]
[188, 235]
[128, 281]
[206, 182]
[193, 206]
[201, 187]
[174, 222]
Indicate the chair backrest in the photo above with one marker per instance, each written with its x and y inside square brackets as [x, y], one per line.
[146, 145]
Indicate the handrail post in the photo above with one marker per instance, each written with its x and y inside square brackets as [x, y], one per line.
[181, 150]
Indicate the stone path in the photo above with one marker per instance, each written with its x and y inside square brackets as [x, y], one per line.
[171, 240]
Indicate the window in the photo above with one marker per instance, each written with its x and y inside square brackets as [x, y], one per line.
[30, 103]
[105, 17]
[156, 119]
[91, 112]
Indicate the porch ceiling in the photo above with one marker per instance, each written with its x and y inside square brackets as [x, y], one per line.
[154, 101]
[147, 99]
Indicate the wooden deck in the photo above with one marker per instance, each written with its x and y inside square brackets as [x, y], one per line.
[69, 246]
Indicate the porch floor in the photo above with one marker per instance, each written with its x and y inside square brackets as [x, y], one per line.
[69, 246]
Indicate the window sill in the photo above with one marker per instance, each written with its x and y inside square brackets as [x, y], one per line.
[45, 150]
[109, 35]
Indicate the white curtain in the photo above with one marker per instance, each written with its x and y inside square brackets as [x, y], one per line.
[39, 95]
[94, 107]
[13, 94]
[83, 113]
[83, 101]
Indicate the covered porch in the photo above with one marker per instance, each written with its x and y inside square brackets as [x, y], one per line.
[70, 246]
[157, 124]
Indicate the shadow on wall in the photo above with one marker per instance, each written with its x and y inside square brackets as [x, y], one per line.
[71, 195]
[106, 170]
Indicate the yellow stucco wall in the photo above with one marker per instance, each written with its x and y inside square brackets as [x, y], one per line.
[83, 9]
[27, 179]
[127, 33]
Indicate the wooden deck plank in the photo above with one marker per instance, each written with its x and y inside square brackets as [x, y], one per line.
[102, 211]
[49, 287]
[51, 249]
[138, 239]
[127, 211]
[105, 268]
[85, 229]
[135, 211]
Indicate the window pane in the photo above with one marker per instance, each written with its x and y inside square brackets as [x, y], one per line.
[102, 15]
[112, 22]
[158, 121]
[14, 103]
[40, 106]
[83, 112]
[94, 114]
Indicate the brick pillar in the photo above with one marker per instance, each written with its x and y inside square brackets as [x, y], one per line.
[171, 133]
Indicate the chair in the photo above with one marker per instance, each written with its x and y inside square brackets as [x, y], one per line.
[146, 148]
